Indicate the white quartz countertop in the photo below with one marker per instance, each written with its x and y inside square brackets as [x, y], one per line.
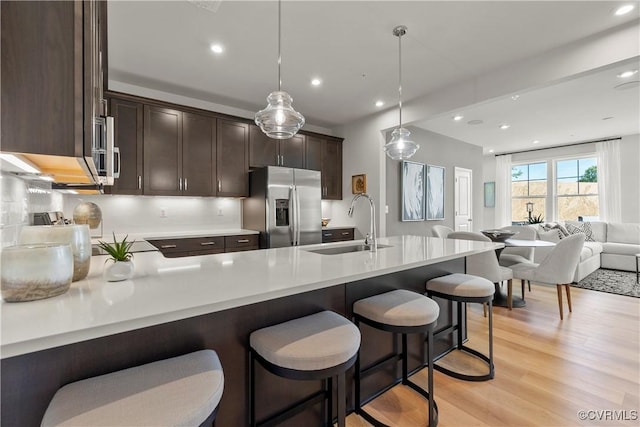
[168, 289]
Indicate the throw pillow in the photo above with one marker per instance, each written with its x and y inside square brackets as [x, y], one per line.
[585, 228]
[550, 236]
[561, 230]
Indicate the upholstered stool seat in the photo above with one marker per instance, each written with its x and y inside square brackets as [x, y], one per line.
[183, 390]
[465, 288]
[400, 312]
[313, 347]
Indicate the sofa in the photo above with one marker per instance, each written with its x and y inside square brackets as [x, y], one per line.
[614, 245]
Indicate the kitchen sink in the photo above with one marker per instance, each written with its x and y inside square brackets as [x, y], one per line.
[344, 249]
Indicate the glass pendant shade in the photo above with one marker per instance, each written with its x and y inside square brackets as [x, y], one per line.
[279, 120]
[401, 146]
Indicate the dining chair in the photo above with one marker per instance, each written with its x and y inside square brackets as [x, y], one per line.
[485, 264]
[557, 268]
[512, 256]
[441, 231]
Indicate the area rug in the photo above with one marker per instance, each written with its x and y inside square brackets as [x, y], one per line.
[611, 281]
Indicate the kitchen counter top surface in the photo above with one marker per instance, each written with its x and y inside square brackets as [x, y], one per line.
[338, 227]
[164, 290]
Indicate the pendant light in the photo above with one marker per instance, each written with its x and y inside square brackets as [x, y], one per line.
[401, 146]
[279, 120]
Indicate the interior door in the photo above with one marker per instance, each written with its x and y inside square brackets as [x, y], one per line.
[463, 196]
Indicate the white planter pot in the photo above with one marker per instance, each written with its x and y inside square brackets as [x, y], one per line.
[115, 271]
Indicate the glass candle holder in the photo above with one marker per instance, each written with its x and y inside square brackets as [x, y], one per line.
[75, 235]
[35, 271]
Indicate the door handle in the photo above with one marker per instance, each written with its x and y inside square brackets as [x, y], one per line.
[219, 186]
[207, 243]
[167, 246]
[243, 241]
[185, 184]
[139, 182]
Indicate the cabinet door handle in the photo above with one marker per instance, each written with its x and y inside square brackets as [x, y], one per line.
[219, 186]
[207, 243]
[180, 184]
[328, 234]
[345, 233]
[167, 246]
[139, 182]
[185, 184]
[243, 241]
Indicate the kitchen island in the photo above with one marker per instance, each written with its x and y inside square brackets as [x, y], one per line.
[174, 306]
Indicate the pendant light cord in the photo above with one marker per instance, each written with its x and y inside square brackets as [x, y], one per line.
[279, 42]
[400, 34]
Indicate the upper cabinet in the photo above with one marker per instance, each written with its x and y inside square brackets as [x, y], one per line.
[232, 159]
[51, 75]
[162, 151]
[265, 151]
[325, 155]
[128, 119]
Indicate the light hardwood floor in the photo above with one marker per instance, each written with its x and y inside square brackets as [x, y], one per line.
[547, 370]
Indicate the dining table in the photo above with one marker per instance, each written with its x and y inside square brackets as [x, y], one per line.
[499, 298]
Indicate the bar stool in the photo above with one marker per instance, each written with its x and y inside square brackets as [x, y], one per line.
[319, 346]
[400, 312]
[183, 390]
[468, 289]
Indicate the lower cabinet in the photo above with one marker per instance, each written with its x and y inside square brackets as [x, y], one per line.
[203, 245]
[337, 235]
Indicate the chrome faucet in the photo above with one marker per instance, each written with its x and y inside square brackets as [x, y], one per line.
[370, 238]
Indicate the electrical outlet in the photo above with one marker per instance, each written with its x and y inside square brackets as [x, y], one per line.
[163, 212]
[220, 212]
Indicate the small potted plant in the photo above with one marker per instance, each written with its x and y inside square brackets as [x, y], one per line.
[120, 253]
[536, 219]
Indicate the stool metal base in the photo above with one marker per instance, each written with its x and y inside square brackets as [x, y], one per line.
[325, 394]
[427, 394]
[461, 347]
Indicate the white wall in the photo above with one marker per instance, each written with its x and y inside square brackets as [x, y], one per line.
[439, 150]
[629, 171]
[142, 214]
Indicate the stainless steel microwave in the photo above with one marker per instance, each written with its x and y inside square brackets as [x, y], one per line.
[106, 156]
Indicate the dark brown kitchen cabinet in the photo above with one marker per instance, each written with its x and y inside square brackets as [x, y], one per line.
[189, 246]
[50, 87]
[232, 160]
[325, 155]
[162, 151]
[265, 151]
[241, 242]
[198, 155]
[127, 118]
[337, 234]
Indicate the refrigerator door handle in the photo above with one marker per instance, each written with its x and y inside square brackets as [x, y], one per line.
[297, 217]
[292, 218]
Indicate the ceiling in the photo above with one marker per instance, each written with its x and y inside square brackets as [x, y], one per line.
[164, 46]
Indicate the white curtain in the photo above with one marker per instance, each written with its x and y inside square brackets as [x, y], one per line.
[503, 191]
[609, 195]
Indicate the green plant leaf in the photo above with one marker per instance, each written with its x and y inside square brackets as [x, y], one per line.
[119, 251]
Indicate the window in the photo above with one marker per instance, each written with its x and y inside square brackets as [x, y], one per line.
[528, 185]
[576, 189]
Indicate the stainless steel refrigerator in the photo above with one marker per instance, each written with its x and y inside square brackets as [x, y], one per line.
[284, 206]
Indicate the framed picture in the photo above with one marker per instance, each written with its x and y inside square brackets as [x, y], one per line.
[359, 183]
[489, 194]
[412, 191]
[435, 192]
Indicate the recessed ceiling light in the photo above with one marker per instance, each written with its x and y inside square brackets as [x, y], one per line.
[216, 48]
[627, 74]
[316, 82]
[515, 97]
[458, 117]
[492, 150]
[379, 103]
[622, 10]
[536, 141]
[505, 126]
